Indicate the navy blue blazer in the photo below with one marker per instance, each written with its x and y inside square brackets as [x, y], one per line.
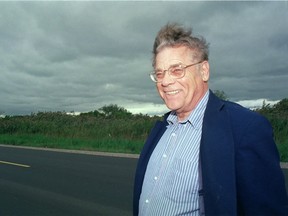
[241, 174]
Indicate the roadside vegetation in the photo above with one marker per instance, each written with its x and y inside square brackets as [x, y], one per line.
[110, 129]
[278, 117]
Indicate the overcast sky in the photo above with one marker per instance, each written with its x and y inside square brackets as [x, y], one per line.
[80, 56]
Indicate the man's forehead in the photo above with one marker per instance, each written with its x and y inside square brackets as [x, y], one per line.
[173, 55]
[167, 64]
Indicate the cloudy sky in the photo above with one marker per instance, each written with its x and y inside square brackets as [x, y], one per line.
[80, 56]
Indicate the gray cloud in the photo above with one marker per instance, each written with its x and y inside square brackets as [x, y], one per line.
[80, 56]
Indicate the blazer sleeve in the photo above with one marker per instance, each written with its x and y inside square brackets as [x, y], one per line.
[260, 180]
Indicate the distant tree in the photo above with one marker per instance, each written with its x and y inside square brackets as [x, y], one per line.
[265, 109]
[115, 111]
[97, 113]
[278, 110]
[282, 107]
[221, 94]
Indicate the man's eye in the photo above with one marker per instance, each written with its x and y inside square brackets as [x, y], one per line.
[159, 74]
[177, 71]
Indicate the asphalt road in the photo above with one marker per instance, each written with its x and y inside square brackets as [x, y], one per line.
[36, 182]
[57, 183]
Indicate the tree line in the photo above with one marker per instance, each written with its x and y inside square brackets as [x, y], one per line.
[112, 123]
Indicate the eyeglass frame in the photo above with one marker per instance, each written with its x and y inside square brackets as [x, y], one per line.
[153, 74]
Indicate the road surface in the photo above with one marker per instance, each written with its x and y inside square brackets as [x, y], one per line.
[37, 182]
[34, 182]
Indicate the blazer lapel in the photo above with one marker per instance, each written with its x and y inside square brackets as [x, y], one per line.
[217, 160]
[152, 141]
[146, 152]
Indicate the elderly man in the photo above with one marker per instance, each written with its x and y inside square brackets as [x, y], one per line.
[208, 156]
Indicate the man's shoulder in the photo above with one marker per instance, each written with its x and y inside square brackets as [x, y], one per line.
[237, 108]
[239, 113]
[234, 110]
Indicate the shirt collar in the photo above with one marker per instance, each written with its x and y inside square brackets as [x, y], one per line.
[196, 116]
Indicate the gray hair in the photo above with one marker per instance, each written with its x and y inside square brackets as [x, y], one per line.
[174, 35]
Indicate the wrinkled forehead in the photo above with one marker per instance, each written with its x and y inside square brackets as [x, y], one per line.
[163, 65]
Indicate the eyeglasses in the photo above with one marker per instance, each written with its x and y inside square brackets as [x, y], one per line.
[175, 71]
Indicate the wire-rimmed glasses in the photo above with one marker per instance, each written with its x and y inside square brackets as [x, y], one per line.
[175, 71]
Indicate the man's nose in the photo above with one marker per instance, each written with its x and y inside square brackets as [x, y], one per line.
[167, 79]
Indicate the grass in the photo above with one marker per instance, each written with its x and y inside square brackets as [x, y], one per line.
[104, 145]
[92, 144]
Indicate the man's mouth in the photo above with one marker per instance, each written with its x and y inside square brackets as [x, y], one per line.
[171, 92]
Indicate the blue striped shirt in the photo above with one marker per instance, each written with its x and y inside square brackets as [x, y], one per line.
[171, 185]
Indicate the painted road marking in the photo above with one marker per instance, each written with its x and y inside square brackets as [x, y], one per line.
[14, 164]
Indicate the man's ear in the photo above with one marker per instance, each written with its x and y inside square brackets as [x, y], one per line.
[205, 71]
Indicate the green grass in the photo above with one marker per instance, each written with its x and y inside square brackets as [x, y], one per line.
[92, 144]
[104, 145]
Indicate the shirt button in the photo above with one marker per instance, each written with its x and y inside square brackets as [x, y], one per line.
[164, 156]
[155, 178]
[173, 134]
[146, 201]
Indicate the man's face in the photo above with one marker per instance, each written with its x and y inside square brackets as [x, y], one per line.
[182, 95]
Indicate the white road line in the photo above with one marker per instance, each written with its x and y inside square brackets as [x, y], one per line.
[14, 164]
